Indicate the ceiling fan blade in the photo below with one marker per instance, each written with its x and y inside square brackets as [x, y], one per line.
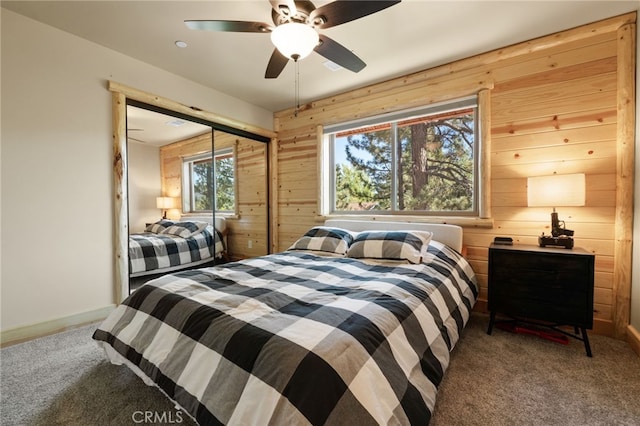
[339, 54]
[230, 26]
[286, 7]
[341, 11]
[276, 64]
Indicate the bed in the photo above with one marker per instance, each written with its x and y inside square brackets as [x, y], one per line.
[353, 324]
[169, 245]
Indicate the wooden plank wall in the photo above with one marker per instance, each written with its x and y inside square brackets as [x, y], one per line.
[553, 110]
[252, 222]
[251, 174]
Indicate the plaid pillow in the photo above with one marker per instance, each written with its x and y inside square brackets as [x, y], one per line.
[159, 226]
[323, 238]
[185, 229]
[397, 245]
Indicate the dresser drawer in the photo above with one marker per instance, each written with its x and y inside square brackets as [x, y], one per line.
[545, 273]
[547, 262]
[557, 303]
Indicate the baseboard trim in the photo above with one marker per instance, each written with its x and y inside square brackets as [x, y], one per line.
[603, 327]
[633, 337]
[481, 306]
[41, 329]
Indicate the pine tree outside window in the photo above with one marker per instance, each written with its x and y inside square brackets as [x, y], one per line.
[418, 162]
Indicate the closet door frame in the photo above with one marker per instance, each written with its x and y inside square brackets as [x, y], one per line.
[120, 95]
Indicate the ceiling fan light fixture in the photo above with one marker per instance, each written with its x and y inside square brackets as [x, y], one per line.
[294, 40]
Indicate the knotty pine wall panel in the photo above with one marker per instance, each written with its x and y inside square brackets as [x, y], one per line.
[587, 146]
[252, 222]
[574, 58]
[553, 110]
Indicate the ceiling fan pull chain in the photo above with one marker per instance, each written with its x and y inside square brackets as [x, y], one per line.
[297, 86]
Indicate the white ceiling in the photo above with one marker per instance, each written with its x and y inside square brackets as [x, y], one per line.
[153, 128]
[405, 38]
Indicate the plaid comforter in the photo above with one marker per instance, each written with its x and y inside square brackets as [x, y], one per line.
[150, 251]
[295, 338]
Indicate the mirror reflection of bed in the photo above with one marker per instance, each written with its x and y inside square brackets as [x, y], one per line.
[170, 157]
[167, 246]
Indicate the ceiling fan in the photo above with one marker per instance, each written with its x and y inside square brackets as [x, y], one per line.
[294, 30]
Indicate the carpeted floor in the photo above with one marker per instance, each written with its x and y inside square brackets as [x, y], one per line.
[514, 379]
[502, 379]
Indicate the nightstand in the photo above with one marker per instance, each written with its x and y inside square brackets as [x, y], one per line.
[545, 286]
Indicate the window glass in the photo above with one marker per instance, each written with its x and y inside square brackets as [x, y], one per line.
[201, 186]
[422, 162]
[363, 170]
[225, 182]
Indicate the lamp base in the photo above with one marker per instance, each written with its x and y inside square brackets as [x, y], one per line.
[560, 241]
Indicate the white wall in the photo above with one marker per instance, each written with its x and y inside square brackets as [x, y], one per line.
[145, 184]
[56, 177]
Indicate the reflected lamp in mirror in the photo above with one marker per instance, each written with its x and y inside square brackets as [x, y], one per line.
[165, 203]
[556, 191]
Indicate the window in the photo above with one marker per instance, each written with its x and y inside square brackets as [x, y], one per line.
[419, 162]
[198, 175]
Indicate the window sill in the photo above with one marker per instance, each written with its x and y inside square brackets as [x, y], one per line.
[228, 216]
[224, 215]
[465, 222]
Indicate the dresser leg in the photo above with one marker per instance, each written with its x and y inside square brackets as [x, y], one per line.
[492, 319]
[585, 339]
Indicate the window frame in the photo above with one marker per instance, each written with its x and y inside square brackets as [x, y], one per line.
[481, 196]
[187, 181]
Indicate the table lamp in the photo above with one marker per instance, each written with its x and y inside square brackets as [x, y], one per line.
[556, 191]
[164, 203]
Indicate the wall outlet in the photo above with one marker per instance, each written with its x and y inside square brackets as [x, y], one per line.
[250, 244]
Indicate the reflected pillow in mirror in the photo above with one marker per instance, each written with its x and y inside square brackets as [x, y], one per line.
[395, 245]
[185, 229]
[159, 226]
[326, 239]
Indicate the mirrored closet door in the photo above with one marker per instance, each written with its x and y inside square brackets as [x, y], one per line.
[156, 194]
[182, 172]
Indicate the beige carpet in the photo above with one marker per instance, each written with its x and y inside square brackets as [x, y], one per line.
[515, 379]
[502, 379]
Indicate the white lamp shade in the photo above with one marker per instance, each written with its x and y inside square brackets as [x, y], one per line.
[293, 39]
[164, 203]
[556, 190]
